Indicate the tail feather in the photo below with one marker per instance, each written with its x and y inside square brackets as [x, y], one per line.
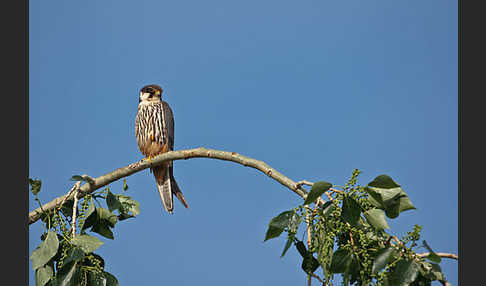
[177, 191]
[164, 186]
[167, 187]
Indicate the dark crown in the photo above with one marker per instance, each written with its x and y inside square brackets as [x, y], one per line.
[152, 88]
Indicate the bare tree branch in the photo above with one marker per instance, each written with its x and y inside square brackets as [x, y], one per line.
[97, 183]
[131, 169]
[441, 254]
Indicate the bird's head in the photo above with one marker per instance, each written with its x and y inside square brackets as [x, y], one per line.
[150, 93]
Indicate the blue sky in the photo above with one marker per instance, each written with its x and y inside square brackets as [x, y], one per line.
[313, 88]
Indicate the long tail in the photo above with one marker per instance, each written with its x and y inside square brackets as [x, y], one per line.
[167, 187]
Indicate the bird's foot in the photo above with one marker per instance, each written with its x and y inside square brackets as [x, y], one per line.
[149, 158]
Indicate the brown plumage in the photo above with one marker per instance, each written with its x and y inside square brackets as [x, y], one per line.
[154, 129]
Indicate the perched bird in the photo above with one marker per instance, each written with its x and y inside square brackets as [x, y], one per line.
[154, 129]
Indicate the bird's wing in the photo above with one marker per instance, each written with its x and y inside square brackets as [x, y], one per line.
[169, 124]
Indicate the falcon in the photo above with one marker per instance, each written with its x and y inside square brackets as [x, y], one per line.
[154, 129]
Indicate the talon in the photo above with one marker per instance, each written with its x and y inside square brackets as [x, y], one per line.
[149, 158]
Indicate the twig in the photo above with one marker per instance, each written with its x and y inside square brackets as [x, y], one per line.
[319, 200]
[318, 278]
[440, 254]
[303, 182]
[445, 282]
[308, 218]
[329, 196]
[133, 168]
[399, 242]
[335, 190]
[64, 199]
[75, 208]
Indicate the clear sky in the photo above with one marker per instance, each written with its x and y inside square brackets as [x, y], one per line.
[313, 88]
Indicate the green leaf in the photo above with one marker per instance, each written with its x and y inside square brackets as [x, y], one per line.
[67, 208]
[393, 201]
[74, 254]
[125, 186]
[405, 272]
[91, 208]
[340, 261]
[77, 178]
[124, 216]
[351, 210]
[310, 263]
[278, 224]
[112, 201]
[92, 217]
[46, 250]
[102, 279]
[101, 261]
[301, 248]
[318, 188]
[294, 222]
[35, 186]
[106, 216]
[47, 216]
[87, 243]
[68, 275]
[432, 271]
[383, 182]
[128, 206]
[103, 229]
[43, 275]
[327, 209]
[376, 218]
[392, 211]
[110, 279]
[287, 245]
[89, 212]
[405, 203]
[432, 255]
[96, 279]
[353, 270]
[382, 258]
[324, 254]
[378, 197]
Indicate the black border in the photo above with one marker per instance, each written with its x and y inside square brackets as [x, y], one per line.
[471, 130]
[15, 134]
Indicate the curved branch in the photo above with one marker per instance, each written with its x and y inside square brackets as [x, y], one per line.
[440, 254]
[131, 169]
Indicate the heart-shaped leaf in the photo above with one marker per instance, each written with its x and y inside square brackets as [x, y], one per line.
[376, 218]
[351, 210]
[46, 250]
[87, 243]
[383, 182]
[35, 186]
[405, 272]
[318, 188]
[278, 224]
[43, 274]
[340, 261]
[382, 258]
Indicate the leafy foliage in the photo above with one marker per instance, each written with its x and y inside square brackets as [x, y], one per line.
[67, 258]
[346, 235]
